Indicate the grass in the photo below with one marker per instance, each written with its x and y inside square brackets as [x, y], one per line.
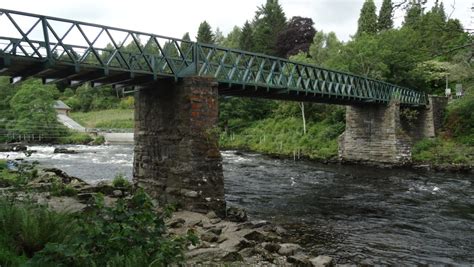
[76, 138]
[121, 181]
[111, 118]
[443, 151]
[285, 137]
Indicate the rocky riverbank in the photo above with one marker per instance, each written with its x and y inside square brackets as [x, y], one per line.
[231, 240]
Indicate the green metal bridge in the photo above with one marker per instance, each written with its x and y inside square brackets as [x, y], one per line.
[61, 50]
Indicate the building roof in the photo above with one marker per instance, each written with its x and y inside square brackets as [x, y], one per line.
[60, 105]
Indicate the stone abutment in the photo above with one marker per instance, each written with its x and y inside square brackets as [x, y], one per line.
[384, 134]
[177, 158]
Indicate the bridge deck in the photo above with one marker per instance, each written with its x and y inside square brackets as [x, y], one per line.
[61, 50]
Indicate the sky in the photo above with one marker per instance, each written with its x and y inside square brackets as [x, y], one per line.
[175, 17]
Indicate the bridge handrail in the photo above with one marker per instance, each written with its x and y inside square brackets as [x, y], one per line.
[256, 69]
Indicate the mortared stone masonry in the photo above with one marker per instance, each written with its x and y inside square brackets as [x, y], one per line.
[177, 158]
[377, 133]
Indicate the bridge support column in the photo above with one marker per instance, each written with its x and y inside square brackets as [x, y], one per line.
[381, 135]
[177, 159]
[374, 135]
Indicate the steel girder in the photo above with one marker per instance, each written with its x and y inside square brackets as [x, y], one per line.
[60, 49]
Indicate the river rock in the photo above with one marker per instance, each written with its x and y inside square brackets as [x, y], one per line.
[299, 260]
[117, 193]
[66, 178]
[211, 215]
[64, 151]
[235, 214]
[288, 249]
[232, 256]
[12, 147]
[256, 236]
[258, 224]
[321, 261]
[177, 223]
[85, 197]
[216, 230]
[104, 187]
[205, 254]
[244, 243]
[271, 247]
[279, 230]
[209, 237]
[215, 221]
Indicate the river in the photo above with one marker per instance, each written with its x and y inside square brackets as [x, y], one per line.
[353, 213]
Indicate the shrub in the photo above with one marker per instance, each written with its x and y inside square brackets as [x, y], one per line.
[129, 234]
[460, 119]
[26, 228]
[127, 102]
[59, 189]
[120, 181]
[99, 140]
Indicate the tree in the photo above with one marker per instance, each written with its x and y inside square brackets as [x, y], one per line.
[219, 37]
[246, 38]
[414, 14]
[385, 21]
[296, 37]
[186, 45]
[32, 105]
[205, 34]
[325, 47]
[233, 38]
[367, 22]
[269, 21]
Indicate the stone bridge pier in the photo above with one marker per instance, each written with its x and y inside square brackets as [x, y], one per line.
[380, 134]
[177, 158]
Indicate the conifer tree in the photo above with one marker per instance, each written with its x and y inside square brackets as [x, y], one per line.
[205, 34]
[185, 45]
[414, 15]
[368, 19]
[385, 21]
[246, 38]
[233, 38]
[269, 21]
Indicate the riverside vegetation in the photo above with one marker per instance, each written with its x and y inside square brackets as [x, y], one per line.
[129, 232]
[428, 47]
[48, 218]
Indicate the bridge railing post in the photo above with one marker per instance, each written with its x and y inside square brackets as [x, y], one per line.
[44, 23]
[196, 58]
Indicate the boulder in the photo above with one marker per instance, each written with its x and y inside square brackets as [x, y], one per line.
[258, 224]
[66, 178]
[271, 247]
[205, 254]
[209, 237]
[117, 193]
[215, 221]
[244, 243]
[211, 215]
[12, 147]
[289, 249]
[235, 214]
[176, 223]
[64, 151]
[256, 236]
[322, 261]
[299, 260]
[216, 230]
[232, 256]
